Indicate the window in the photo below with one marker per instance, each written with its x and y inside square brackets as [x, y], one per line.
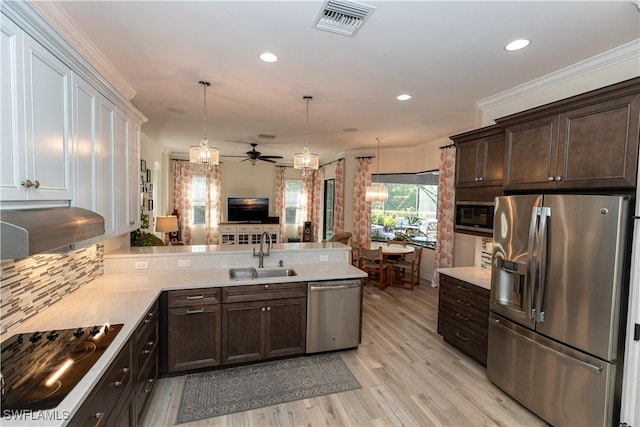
[293, 198]
[410, 212]
[329, 197]
[198, 197]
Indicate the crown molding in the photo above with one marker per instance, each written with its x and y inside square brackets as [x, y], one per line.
[58, 18]
[625, 52]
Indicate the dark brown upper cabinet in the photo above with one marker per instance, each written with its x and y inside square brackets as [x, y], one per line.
[588, 141]
[479, 157]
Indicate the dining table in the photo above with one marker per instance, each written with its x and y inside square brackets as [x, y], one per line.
[389, 250]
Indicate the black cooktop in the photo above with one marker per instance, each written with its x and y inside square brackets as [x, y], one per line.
[39, 369]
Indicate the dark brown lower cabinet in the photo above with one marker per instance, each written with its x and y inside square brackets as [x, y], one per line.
[263, 321]
[463, 316]
[193, 329]
[122, 393]
[109, 402]
[263, 329]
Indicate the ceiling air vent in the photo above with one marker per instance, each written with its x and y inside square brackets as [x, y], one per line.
[343, 17]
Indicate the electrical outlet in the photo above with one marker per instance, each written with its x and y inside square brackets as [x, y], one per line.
[324, 258]
[184, 263]
[142, 265]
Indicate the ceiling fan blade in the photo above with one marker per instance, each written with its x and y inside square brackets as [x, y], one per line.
[266, 160]
[269, 157]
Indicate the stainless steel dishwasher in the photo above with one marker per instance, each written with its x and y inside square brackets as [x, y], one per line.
[333, 315]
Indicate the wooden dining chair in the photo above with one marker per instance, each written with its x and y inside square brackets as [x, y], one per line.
[355, 254]
[396, 258]
[372, 262]
[410, 265]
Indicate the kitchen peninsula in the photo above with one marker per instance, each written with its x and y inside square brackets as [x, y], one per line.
[128, 295]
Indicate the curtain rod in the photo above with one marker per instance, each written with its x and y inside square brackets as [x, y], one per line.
[334, 161]
[365, 157]
[447, 146]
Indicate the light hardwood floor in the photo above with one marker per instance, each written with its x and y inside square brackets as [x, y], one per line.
[409, 377]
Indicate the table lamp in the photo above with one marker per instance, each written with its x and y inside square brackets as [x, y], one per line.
[166, 224]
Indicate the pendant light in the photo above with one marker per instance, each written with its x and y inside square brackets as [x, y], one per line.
[203, 154]
[377, 192]
[306, 161]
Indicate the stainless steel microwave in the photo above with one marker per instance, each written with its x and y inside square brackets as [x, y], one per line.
[474, 216]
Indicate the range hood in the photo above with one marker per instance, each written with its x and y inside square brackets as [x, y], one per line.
[26, 232]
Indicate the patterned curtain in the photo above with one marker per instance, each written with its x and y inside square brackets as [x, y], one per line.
[181, 173]
[338, 205]
[446, 212]
[213, 205]
[280, 208]
[361, 208]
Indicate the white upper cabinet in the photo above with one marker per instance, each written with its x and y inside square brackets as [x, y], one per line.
[47, 94]
[11, 106]
[127, 172]
[94, 152]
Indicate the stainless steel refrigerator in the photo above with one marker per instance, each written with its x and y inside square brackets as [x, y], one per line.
[560, 270]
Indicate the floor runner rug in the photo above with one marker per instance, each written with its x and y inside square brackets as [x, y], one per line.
[214, 393]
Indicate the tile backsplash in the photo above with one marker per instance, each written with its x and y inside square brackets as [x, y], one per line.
[30, 285]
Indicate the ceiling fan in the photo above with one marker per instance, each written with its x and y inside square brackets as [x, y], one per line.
[253, 156]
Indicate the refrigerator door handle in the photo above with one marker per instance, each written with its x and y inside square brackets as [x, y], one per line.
[541, 283]
[583, 363]
[531, 280]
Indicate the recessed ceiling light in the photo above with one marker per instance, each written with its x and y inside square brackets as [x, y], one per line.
[350, 130]
[268, 57]
[403, 97]
[517, 45]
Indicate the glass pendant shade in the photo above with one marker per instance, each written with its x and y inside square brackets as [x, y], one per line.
[376, 193]
[306, 160]
[203, 154]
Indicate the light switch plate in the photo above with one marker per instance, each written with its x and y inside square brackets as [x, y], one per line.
[142, 265]
[184, 263]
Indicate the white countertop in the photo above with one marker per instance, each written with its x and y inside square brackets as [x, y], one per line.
[125, 298]
[475, 275]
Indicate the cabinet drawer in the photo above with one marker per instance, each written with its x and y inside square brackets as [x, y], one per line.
[144, 385]
[150, 321]
[475, 320]
[145, 349]
[193, 297]
[471, 294]
[247, 293]
[107, 398]
[463, 338]
[228, 228]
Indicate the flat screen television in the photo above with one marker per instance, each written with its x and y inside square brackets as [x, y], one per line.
[247, 209]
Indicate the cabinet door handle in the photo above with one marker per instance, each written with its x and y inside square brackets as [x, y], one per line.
[150, 343]
[268, 308]
[146, 351]
[558, 178]
[131, 222]
[263, 309]
[266, 286]
[465, 318]
[27, 183]
[462, 302]
[462, 337]
[463, 288]
[36, 183]
[480, 178]
[189, 297]
[125, 372]
[476, 179]
[200, 310]
[551, 178]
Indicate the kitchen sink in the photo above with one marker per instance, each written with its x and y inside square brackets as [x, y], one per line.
[260, 273]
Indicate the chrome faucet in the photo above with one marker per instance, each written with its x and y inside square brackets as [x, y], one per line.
[261, 253]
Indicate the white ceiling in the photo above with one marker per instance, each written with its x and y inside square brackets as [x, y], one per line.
[446, 54]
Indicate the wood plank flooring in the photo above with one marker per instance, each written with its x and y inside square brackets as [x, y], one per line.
[409, 377]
